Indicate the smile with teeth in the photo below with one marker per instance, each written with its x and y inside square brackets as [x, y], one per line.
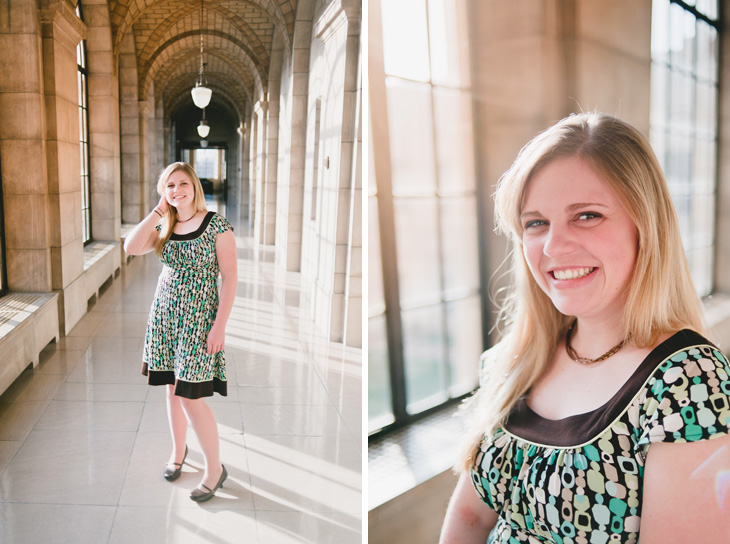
[571, 274]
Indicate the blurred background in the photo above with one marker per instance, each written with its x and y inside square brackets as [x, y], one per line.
[456, 88]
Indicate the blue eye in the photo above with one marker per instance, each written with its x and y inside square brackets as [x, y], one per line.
[534, 223]
[589, 215]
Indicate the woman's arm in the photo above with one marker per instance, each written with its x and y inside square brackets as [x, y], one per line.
[468, 520]
[142, 238]
[225, 250]
[686, 496]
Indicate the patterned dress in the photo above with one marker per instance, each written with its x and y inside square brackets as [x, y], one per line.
[579, 479]
[183, 312]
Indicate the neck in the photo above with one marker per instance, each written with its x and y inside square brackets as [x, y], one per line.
[596, 335]
[186, 214]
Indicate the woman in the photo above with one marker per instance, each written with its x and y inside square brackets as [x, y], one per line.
[185, 336]
[603, 412]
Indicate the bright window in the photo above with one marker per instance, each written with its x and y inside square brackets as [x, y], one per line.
[684, 90]
[82, 75]
[424, 296]
[206, 163]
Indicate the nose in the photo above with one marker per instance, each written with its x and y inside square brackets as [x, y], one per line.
[558, 242]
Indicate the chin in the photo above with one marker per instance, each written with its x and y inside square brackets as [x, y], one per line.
[571, 308]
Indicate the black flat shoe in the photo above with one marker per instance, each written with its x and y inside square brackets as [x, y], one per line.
[173, 474]
[201, 496]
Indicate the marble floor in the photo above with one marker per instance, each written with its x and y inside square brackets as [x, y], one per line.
[84, 440]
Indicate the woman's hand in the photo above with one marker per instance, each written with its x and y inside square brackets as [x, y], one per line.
[216, 339]
[162, 204]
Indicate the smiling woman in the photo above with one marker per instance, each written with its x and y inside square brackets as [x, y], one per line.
[587, 404]
[578, 239]
[185, 335]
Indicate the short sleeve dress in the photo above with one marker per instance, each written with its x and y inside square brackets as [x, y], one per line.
[579, 479]
[183, 311]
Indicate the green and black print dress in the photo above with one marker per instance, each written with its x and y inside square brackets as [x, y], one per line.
[579, 479]
[183, 312]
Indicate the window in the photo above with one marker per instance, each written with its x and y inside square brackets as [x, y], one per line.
[424, 296]
[82, 75]
[684, 120]
[206, 163]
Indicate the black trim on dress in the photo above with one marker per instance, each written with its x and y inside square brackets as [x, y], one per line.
[189, 390]
[197, 232]
[582, 428]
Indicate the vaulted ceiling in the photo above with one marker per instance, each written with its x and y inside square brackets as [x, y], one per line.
[237, 40]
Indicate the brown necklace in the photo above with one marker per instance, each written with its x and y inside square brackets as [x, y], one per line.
[186, 220]
[584, 360]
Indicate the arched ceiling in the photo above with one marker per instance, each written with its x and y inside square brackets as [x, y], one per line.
[237, 41]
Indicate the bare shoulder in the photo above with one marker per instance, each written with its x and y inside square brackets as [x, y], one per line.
[686, 486]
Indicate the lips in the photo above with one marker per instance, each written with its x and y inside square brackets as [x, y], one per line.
[571, 273]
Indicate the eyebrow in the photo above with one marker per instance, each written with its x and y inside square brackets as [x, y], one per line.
[570, 208]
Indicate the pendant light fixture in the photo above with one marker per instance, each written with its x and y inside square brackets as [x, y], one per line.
[201, 93]
[203, 127]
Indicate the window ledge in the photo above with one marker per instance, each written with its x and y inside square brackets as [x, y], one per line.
[404, 459]
[94, 251]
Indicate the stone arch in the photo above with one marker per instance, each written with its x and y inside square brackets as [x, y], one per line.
[180, 47]
[224, 23]
[126, 12]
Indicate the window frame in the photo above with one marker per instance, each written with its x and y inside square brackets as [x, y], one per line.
[661, 134]
[87, 234]
[393, 306]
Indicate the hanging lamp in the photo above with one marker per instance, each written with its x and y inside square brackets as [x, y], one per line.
[201, 93]
[203, 127]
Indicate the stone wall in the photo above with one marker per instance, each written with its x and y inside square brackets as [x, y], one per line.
[534, 63]
[131, 138]
[39, 144]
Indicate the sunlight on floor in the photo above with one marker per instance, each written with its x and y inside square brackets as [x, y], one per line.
[83, 439]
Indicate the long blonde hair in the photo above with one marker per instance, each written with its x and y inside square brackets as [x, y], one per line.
[170, 217]
[661, 297]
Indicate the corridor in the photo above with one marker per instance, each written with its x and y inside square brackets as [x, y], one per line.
[84, 440]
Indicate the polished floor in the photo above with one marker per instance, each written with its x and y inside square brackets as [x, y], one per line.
[84, 440]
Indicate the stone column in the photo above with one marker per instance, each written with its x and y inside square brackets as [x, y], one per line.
[146, 126]
[351, 172]
[340, 23]
[133, 188]
[62, 31]
[23, 149]
[103, 86]
[272, 142]
[257, 183]
[243, 173]
[297, 159]
[160, 139]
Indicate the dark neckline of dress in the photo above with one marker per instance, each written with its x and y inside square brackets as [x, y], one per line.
[579, 429]
[197, 232]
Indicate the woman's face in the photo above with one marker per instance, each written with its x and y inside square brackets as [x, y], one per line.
[578, 239]
[179, 190]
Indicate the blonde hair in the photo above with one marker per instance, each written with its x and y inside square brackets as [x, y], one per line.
[661, 297]
[170, 217]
